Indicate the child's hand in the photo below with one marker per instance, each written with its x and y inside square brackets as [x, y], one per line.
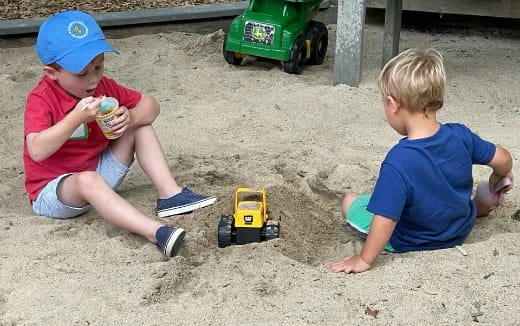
[352, 264]
[121, 123]
[489, 195]
[500, 183]
[87, 108]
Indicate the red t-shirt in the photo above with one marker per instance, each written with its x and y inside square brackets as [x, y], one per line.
[47, 104]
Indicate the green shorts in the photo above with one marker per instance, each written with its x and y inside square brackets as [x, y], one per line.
[360, 219]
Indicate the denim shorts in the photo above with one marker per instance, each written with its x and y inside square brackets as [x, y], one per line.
[48, 204]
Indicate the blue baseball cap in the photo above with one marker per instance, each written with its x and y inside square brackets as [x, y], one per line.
[71, 39]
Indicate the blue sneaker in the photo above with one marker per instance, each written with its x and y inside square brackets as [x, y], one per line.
[169, 239]
[184, 202]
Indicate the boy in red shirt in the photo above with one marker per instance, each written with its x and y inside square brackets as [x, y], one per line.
[69, 164]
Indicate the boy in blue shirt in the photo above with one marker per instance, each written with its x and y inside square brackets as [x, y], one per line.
[422, 197]
[70, 166]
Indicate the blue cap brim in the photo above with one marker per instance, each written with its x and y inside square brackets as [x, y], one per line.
[78, 59]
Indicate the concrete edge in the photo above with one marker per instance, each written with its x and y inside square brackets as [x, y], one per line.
[134, 17]
[145, 16]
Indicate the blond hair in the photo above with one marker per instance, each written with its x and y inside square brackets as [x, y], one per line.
[416, 79]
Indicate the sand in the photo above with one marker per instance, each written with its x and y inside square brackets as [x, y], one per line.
[304, 141]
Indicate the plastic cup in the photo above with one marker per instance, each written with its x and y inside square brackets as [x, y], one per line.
[106, 115]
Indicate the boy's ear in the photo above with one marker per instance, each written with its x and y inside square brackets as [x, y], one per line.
[50, 72]
[393, 104]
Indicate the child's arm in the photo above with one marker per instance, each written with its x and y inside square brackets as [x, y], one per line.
[43, 144]
[501, 163]
[490, 194]
[381, 230]
[145, 112]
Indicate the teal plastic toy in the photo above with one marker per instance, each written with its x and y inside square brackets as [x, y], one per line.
[278, 29]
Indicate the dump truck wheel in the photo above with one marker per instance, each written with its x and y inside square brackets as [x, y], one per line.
[225, 230]
[230, 56]
[272, 230]
[319, 37]
[297, 57]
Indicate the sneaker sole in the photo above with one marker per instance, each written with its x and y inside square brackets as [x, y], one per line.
[187, 208]
[174, 242]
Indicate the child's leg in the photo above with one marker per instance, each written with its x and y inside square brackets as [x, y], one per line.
[485, 200]
[172, 198]
[89, 187]
[77, 189]
[347, 201]
[144, 143]
[356, 215]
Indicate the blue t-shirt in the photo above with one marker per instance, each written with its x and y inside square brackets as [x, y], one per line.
[425, 185]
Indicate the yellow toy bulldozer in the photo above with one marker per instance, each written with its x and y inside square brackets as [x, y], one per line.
[250, 222]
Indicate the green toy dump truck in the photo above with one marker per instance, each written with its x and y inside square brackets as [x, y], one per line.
[280, 30]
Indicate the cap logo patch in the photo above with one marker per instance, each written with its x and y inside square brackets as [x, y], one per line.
[78, 29]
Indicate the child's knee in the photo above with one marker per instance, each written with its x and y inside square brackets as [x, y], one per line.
[347, 201]
[88, 179]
